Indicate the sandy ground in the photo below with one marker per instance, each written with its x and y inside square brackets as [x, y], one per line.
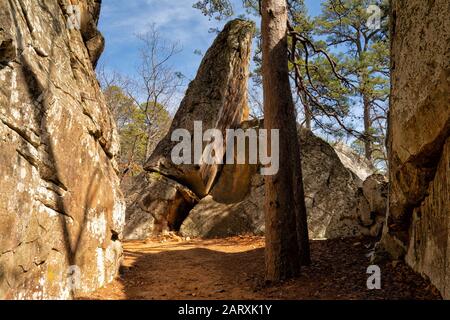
[232, 268]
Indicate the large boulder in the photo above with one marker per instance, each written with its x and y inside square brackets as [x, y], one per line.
[217, 97]
[332, 192]
[61, 208]
[419, 128]
[331, 189]
[161, 200]
[232, 195]
[371, 206]
[234, 205]
[215, 217]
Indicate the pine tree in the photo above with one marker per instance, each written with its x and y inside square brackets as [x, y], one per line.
[362, 57]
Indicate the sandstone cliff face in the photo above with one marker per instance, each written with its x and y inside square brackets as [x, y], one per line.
[419, 129]
[61, 209]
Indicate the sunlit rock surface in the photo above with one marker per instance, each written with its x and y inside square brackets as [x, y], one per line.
[419, 130]
[61, 209]
[217, 97]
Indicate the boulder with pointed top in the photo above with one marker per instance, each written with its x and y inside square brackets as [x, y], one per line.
[217, 97]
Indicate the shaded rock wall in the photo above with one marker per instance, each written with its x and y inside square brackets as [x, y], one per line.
[61, 209]
[419, 128]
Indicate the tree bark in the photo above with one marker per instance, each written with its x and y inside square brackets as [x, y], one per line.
[287, 244]
[367, 125]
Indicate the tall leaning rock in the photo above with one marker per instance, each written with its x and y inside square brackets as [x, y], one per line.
[61, 209]
[217, 97]
[419, 146]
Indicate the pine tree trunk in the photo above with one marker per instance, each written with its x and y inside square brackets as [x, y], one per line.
[367, 126]
[287, 244]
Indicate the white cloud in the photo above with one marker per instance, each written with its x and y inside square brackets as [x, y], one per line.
[176, 19]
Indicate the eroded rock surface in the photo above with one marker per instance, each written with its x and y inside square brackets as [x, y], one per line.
[214, 218]
[61, 209]
[419, 129]
[371, 205]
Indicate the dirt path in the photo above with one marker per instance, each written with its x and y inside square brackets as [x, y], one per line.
[233, 269]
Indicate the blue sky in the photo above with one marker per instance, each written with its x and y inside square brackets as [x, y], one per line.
[176, 20]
